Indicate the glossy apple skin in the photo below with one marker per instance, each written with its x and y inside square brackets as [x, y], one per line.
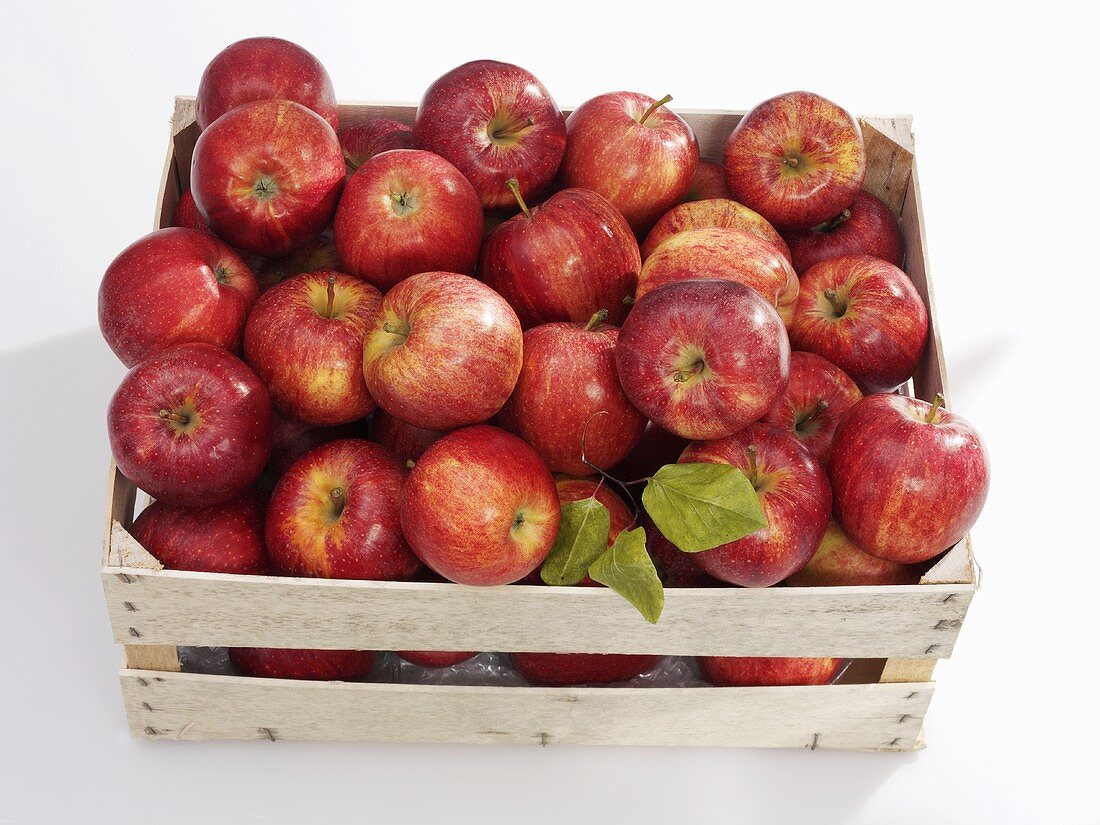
[573, 256]
[289, 663]
[906, 489]
[363, 141]
[881, 334]
[768, 671]
[794, 492]
[461, 111]
[223, 538]
[319, 253]
[480, 507]
[726, 343]
[445, 351]
[804, 128]
[435, 658]
[312, 533]
[311, 363]
[174, 286]
[563, 669]
[727, 255]
[267, 176]
[656, 448]
[568, 397]
[222, 448]
[838, 562]
[865, 227]
[713, 212]
[402, 439]
[708, 182]
[675, 567]
[643, 169]
[186, 214]
[407, 211]
[798, 410]
[264, 68]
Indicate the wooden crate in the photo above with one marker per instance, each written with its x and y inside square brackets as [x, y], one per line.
[896, 632]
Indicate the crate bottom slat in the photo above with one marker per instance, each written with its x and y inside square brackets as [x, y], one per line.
[870, 717]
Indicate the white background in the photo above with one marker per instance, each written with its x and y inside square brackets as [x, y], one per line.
[1007, 145]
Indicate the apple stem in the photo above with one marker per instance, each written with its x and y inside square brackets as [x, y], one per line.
[167, 415]
[513, 184]
[937, 402]
[683, 375]
[791, 161]
[838, 305]
[339, 498]
[331, 287]
[822, 405]
[833, 223]
[751, 451]
[514, 129]
[597, 318]
[657, 104]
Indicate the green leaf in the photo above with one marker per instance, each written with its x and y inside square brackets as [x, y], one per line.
[701, 506]
[627, 569]
[582, 537]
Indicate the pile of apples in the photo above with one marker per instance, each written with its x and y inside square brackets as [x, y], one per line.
[452, 351]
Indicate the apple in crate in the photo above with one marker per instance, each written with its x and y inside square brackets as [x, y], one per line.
[563, 260]
[221, 538]
[480, 507]
[865, 316]
[564, 669]
[191, 425]
[568, 403]
[267, 176]
[714, 212]
[839, 562]
[444, 351]
[674, 567]
[363, 141]
[435, 658]
[708, 182]
[291, 439]
[289, 663]
[264, 68]
[319, 253]
[634, 151]
[865, 227]
[910, 478]
[175, 286]
[702, 359]
[817, 395]
[767, 671]
[404, 440]
[797, 159]
[794, 492]
[407, 211]
[305, 338]
[494, 121]
[334, 514]
[727, 255]
[186, 214]
[656, 448]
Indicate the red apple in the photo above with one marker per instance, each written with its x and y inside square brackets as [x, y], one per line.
[767, 671]
[435, 658]
[174, 286]
[403, 440]
[865, 316]
[267, 176]
[319, 253]
[709, 182]
[865, 227]
[334, 514]
[726, 255]
[838, 562]
[656, 448]
[363, 141]
[480, 507]
[288, 663]
[494, 121]
[191, 425]
[564, 669]
[445, 351]
[264, 68]
[222, 538]
[563, 260]
[407, 211]
[634, 151]
[817, 395]
[305, 338]
[292, 439]
[568, 400]
[797, 159]
[186, 214]
[702, 359]
[910, 478]
[792, 489]
[675, 567]
[714, 212]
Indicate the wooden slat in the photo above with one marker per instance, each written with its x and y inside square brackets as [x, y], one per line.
[848, 717]
[889, 145]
